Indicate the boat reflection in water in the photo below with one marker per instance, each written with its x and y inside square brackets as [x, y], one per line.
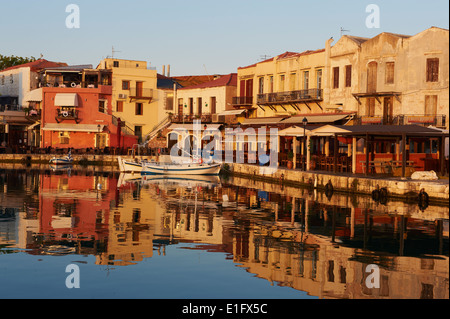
[291, 237]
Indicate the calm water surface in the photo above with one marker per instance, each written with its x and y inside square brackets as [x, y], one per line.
[211, 238]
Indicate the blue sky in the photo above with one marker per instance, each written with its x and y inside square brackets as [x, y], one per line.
[199, 36]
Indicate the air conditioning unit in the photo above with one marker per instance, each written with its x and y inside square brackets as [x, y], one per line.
[122, 96]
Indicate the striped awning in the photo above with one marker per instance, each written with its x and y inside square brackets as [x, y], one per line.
[33, 96]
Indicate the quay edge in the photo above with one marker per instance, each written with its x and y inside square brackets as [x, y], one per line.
[403, 189]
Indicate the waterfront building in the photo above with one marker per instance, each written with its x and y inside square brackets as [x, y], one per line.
[208, 102]
[77, 111]
[390, 78]
[133, 94]
[18, 109]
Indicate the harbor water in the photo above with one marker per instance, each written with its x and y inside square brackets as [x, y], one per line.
[86, 233]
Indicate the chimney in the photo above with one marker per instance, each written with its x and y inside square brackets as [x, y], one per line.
[168, 70]
[164, 70]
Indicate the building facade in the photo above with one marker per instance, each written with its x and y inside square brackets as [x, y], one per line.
[133, 94]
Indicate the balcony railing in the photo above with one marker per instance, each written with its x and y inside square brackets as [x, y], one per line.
[72, 84]
[290, 96]
[10, 107]
[66, 114]
[189, 118]
[242, 100]
[403, 119]
[138, 93]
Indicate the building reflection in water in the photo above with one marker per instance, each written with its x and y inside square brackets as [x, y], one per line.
[291, 237]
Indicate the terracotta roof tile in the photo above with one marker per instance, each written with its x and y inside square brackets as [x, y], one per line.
[37, 65]
[225, 80]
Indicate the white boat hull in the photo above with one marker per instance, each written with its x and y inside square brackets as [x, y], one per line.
[128, 165]
[180, 169]
[61, 161]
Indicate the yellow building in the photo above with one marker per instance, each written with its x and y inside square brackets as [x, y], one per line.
[133, 94]
[288, 84]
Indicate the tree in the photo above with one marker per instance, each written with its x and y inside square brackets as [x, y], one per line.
[9, 61]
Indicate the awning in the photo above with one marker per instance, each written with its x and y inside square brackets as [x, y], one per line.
[314, 119]
[191, 127]
[293, 131]
[73, 127]
[262, 120]
[32, 126]
[232, 112]
[328, 130]
[66, 99]
[33, 96]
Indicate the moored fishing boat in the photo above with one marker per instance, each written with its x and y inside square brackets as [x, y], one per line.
[129, 165]
[180, 168]
[66, 160]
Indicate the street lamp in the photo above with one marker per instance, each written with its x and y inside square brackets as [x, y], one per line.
[304, 121]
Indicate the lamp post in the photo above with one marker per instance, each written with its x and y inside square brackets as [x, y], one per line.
[304, 121]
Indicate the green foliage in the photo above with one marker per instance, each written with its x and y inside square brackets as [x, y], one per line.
[9, 61]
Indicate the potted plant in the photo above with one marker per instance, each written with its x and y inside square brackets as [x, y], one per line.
[290, 156]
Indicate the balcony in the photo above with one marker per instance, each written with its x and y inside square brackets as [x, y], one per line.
[403, 119]
[67, 114]
[242, 101]
[190, 118]
[73, 84]
[140, 94]
[11, 107]
[288, 97]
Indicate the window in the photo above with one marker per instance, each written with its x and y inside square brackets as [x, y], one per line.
[139, 109]
[306, 80]
[64, 137]
[319, 78]
[430, 104]
[281, 85]
[119, 106]
[370, 111]
[390, 72]
[116, 64]
[292, 81]
[125, 85]
[169, 102]
[199, 106]
[348, 76]
[336, 77]
[138, 131]
[213, 104]
[102, 106]
[432, 70]
[261, 85]
[271, 84]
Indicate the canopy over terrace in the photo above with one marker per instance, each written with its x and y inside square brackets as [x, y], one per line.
[379, 138]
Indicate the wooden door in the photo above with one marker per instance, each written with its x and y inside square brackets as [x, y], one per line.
[372, 77]
[139, 86]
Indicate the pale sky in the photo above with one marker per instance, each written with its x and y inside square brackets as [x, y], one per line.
[198, 36]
